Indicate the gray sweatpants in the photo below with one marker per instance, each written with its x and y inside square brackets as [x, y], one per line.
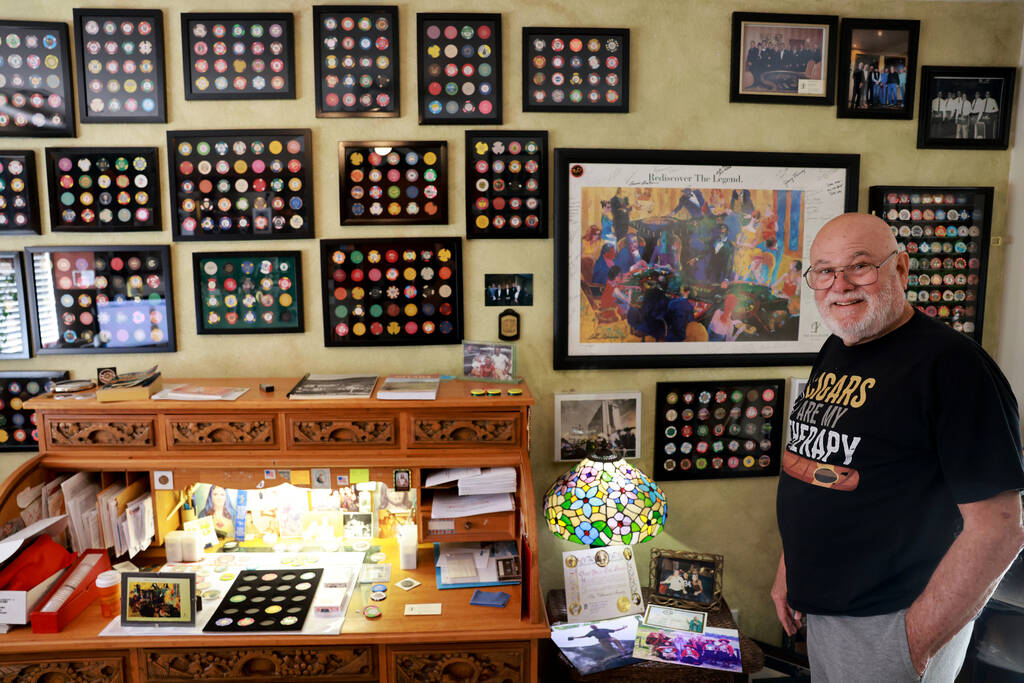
[874, 649]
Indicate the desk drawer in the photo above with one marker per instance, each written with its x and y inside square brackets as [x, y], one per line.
[333, 430]
[101, 667]
[99, 432]
[245, 430]
[459, 662]
[432, 429]
[273, 663]
[494, 526]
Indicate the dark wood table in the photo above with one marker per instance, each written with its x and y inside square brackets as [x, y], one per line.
[560, 668]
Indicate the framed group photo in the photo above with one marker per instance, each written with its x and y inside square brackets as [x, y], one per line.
[965, 107]
[877, 68]
[685, 579]
[783, 58]
[681, 259]
[158, 599]
[589, 424]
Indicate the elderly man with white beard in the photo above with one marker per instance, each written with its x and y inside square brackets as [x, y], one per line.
[899, 504]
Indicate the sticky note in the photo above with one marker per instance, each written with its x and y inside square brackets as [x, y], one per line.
[300, 477]
[358, 476]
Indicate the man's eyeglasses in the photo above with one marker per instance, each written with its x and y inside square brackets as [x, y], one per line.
[860, 273]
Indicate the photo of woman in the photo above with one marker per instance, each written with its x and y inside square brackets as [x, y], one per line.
[217, 502]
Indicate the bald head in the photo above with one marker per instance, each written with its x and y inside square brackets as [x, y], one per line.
[866, 235]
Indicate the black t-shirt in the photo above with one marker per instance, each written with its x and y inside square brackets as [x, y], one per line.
[888, 438]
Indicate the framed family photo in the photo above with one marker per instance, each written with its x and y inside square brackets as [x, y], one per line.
[685, 579]
[589, 424]
[783, 58]
[158, 599]
[877, 68]
[681, 259]
[965, 107]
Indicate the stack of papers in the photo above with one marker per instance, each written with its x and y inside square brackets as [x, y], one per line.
[196, 392]
[80, 493]
[461, 565]
[491, 480]
[452, 505]
[449, 475]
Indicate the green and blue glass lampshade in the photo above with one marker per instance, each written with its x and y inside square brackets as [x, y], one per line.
[605, 501]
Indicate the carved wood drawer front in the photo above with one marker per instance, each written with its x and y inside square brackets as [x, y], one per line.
[429, 430]
[367, 430]
[60, 668]
[86, 431]
[459, 663]
[224, 431]
[320, 663]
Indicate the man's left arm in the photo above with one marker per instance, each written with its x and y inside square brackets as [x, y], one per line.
[992, 536]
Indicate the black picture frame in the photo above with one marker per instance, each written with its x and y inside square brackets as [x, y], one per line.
[57, 180]
[583, 340]
[14, 342]
[19, 208]
[16, 387]
[190, 68]
[323, 51]
[785, 79]
[426, 100]
[515, 185]
[356, 187]
[132, 584]
[44, 291]
[85, 52]
[424, 291]
[256, 271]
[868, 37]
[959, 131]
[533, 70]
[967, 255]
[10, 126]
[726, 429]
[204, 217]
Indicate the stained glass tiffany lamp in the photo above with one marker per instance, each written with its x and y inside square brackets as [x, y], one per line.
[604, 500]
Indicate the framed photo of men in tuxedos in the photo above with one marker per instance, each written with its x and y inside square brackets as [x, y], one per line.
[965, 107]
[783, 58]
[877, 68]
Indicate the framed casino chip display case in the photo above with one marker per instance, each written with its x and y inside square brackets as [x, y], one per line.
[238, 55]
[241, 184]
[19, 193]
[121, 73]
[248, 292]
[13, 313]
[18, 424]
[718, 429]
[103, 299]
[576, 69]
[945, 232]
[393, 291]
[356, 61]
[103, 189]
[458, 64]
[393, 182]
[35, 80]
[506, 183]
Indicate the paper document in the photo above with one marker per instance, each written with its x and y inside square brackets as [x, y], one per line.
[453, 474]
[449, 505]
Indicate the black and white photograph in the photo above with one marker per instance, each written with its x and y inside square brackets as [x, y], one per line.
[877, 67]
[964, 107]
[508, 289]
[495, 361]
[597, 424]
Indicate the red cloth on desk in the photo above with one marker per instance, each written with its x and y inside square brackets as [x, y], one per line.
[35, 564]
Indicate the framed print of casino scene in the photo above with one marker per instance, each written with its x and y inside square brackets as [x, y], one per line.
[261, 63]
[783, 58]
[121, 73]
[576, 69]
[241, 184]
[965, 107]
[877, 68]
[356, 61]
[458, 60]
[35, 80]
[112, 299]
[248, 292]
[674, 258]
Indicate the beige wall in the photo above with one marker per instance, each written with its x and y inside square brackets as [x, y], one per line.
[679, 100]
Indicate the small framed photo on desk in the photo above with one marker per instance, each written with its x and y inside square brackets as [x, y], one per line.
[155, 599]
[685, 579]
